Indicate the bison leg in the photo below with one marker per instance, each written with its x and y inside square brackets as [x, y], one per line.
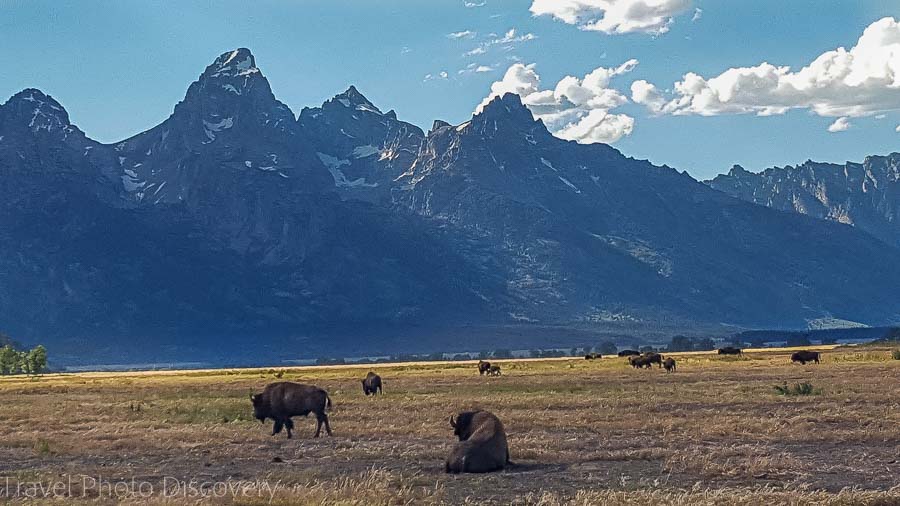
[290, 427]
[277, 428]
[323, 419]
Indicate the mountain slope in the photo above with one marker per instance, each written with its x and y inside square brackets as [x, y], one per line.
[865, 195]
[591, 229]
[363, 148]
[170, 240]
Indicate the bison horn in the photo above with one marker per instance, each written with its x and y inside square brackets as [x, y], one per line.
[452, 422]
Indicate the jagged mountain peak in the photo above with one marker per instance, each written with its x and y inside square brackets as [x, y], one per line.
[508, 105]
[38, 111]
[737, 170]
[353, 99]
[232, 77]
[237, 63]
[507, 113]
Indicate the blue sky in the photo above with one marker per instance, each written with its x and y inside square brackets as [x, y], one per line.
[120, 67]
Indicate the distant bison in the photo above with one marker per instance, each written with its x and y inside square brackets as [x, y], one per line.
[629, 353]
[653, 358]
[593, 356]
[283, 400]
[805, 356]
[483, 367]
[639, 362]
[494, 370]
[669, 364]
[482, 446]
[372, 384]
[730, 350]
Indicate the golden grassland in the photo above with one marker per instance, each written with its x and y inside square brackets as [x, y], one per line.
[580, 432]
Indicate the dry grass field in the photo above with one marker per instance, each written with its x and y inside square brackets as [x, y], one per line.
[580, 432]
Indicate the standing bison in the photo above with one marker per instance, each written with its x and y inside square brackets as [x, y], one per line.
[805, 356]
[494, 370]
[283, 400]
[628, 353]
[640, 362]
[482, 446]
[483, 367]
[669, 364]
[653, 358]
[372, 384]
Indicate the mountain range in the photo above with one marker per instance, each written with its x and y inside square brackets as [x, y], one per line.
[236, 231]
[865, 195]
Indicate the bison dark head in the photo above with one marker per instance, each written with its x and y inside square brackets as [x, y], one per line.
[260, 409]
[462, 426]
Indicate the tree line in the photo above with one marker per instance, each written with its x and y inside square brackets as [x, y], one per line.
[32, 362]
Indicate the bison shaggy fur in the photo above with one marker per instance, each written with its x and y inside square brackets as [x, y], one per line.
[372, 384]
[482, 446]
[283, 400]
[804, 356]
[669, 364]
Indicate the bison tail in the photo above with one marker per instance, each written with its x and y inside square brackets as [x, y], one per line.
[327, 401]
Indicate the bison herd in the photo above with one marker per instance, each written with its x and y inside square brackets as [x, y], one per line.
[482, 443]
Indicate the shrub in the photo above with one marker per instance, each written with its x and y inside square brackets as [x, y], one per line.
[895, 354]
[607, 348]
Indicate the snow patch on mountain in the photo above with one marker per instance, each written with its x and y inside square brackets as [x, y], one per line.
[365, 151]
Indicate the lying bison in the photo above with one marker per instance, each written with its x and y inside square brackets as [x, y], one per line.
[593, 356]
[280, 401]
[669, 364]
[804, 356]
[372, 384]
[494, 370]
[629, 353]
[730, 350]
[483, 367]
[482, 446]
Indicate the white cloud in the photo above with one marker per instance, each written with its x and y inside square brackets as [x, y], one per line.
[465, 34]
[863, 81]
[575, 109]
[698, 13]
[511, 36]
[474, 68]
[841, 124]
[508, 40]
[440, 75]
[613, 16]
[470, 5]
[897, 129]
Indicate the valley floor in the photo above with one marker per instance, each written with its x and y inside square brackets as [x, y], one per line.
[580, 432]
